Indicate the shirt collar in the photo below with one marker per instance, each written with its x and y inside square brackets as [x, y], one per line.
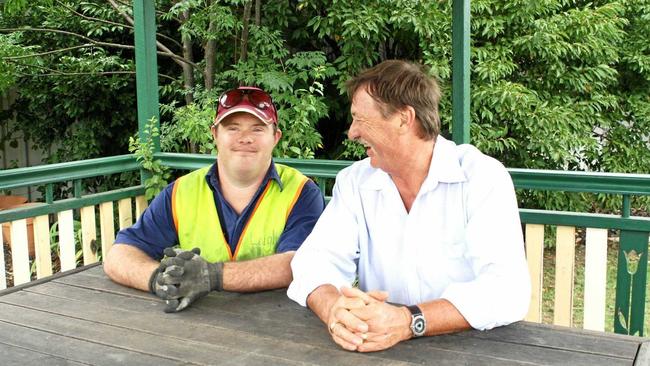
[212, 176]
[444, 167]
[445, 164]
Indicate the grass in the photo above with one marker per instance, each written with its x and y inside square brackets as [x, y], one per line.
[578, 290]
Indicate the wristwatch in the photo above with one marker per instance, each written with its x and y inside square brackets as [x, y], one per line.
[418, 323]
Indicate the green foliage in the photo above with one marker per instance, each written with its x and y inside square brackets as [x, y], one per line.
[189, 130]
[297, 90]
[10, 49]
[143, 150]
[556, 84]
[74, 99]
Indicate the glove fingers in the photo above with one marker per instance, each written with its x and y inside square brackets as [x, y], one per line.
[166, 279]
[185, 302]
[161, 267]
[171, 291]
[167, 292]
[174, 271]
[186, 255]
[173, 261]
[171, 305]
[169, 252]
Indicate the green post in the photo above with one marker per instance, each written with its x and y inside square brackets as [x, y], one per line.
[146, 68]
[626, 206]
[460, 36]
[77, 188]
[631, 280]
[49, 193]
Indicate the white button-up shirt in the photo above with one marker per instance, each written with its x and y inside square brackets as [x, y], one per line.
[461, 241]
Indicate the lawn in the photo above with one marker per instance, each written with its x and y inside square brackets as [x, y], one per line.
[578, 293]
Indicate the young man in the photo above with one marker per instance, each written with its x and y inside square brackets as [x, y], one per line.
[421, 222]
[246, 214]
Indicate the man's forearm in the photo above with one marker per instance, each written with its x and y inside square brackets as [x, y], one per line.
[259, 274]
[443, 317]
[129, 266]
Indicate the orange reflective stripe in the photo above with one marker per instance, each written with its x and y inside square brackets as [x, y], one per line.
[250, 218]
[174, 211]
[295, 197]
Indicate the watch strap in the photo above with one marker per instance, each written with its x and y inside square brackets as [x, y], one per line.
[418, 322]
[415, 310]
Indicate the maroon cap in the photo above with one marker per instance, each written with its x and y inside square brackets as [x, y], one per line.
[248, 99]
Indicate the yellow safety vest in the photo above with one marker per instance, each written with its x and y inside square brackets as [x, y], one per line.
[197, 221]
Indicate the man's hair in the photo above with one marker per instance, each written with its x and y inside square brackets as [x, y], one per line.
[395, 84]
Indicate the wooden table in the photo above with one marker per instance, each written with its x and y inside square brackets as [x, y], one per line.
[82, 318]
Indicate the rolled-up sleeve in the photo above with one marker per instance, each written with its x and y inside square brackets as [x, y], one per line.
[330, 253]
[499, 294]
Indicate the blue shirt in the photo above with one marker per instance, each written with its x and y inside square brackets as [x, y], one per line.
[155, 230]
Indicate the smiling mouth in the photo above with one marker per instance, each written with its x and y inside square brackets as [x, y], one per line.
[245, 151]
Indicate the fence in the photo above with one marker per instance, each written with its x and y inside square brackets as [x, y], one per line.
[633, 231]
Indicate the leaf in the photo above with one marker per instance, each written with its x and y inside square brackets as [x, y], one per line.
[622, 321]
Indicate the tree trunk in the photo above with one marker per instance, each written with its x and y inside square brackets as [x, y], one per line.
[209, 51]
[258, 12]
[244, 33]
[188, 75]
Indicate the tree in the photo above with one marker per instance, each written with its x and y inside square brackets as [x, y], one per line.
[556, 84]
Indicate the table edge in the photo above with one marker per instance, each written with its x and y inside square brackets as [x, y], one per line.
[643, 355]
[48, 278]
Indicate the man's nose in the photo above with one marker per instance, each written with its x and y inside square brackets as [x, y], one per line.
[353, 132]
[245, 137]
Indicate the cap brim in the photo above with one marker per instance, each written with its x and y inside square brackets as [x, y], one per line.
[244, 109]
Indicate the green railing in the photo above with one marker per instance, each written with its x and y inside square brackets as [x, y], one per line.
[74, 172]
[633, 248]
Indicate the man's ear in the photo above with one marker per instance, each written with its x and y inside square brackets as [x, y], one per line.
[407, 118]
[213, 130]
[278, 135]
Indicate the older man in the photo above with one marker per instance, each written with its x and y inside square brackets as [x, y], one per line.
[245, 214]
[421, 222]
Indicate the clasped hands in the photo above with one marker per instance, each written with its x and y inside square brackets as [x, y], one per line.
[364, 322]
[183, 277]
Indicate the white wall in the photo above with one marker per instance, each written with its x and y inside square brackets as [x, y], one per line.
[21, 154]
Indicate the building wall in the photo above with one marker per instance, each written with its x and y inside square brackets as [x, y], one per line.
[16, 151]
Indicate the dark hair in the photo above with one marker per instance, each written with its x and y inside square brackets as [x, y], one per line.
[395, 84]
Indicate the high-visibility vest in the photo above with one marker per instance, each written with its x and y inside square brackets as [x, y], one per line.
[197, 221]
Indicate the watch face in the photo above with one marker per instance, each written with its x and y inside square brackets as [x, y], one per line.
[419, 326]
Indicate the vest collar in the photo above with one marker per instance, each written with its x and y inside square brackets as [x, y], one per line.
[212, 177]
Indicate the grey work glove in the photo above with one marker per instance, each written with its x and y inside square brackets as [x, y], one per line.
[183, 277]
[165, 276]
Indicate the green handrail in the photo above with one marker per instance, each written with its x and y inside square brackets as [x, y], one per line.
[633, 250]
[63, 172]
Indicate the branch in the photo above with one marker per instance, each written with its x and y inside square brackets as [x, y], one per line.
[159, 44]
[47, 53]
[53, 72]
[105, 21]
[129, 4]
[60, 73]
[100, 43]
[113, 23]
